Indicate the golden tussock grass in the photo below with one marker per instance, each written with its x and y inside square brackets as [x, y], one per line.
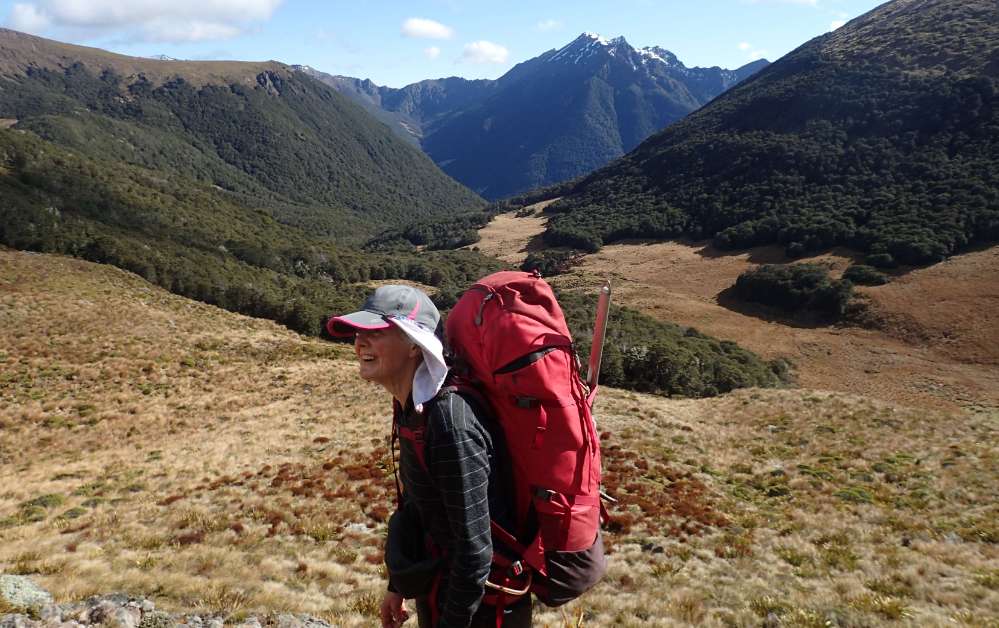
[217, 463]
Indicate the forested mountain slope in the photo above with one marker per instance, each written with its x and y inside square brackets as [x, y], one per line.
[271, 135]
[882, 135]
[245, 185]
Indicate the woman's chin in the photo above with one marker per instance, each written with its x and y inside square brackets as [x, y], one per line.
[367, 373]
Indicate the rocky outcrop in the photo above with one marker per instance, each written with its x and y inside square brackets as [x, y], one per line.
[34, 607]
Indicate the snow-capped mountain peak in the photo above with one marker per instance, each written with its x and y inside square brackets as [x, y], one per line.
[595, 37]
[589, 44]
[659, 54]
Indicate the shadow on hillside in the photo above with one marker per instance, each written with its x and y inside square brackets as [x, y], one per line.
[535, 244]
[770, 254]
[729, 300]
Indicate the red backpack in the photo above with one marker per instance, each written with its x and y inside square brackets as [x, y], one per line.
[512, 347]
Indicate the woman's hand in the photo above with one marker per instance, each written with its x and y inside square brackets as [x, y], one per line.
[393, 614]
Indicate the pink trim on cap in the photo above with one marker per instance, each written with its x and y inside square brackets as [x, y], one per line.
[331, 326]
[412, 315]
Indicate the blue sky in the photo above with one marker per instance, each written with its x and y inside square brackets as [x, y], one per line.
[395, 42]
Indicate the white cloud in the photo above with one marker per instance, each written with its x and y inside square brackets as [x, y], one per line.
[549, 25]
[25, 17]
[426, 29]
[172, 31]
[752, 52]
[149, 20]
[432, 52]
[484, 52]
[836, 24]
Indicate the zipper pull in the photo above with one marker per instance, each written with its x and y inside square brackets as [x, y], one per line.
[482, 306]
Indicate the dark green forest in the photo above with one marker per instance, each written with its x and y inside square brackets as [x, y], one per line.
[193, 239]
[286, 143]
[893, 151]
[644, 354]
[796, 288]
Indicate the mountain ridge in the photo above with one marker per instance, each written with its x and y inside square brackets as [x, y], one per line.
[20, 52]
[548, 119]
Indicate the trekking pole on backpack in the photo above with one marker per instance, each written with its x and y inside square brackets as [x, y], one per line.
[599, 332]
[596, 356]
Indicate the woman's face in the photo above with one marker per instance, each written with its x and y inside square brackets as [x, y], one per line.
[384, 355]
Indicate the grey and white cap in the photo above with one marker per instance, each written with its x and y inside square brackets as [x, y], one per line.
[415, 314]
[384, 304]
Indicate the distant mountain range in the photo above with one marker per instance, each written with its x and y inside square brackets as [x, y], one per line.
[882, 135]
[549, 119]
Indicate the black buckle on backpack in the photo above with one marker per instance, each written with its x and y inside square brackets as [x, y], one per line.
[545, 494]
[526, 402]
[516, 569]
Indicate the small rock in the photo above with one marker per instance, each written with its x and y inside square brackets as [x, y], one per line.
[102, 611]
[50, 614]
[81, 615]
[251, 622]
[127, 617]
[17, 621]
[214, 623]
[21, 592]
[772, 620]
[147, 606]
[286, 620]
[118, 599]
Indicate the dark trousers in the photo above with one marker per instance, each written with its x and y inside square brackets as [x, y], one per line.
[516, 615]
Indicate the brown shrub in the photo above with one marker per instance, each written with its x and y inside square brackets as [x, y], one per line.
[190, 538]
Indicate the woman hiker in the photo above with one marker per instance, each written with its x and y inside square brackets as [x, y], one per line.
[450, 495]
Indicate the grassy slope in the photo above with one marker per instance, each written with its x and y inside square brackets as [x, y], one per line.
[214, 462]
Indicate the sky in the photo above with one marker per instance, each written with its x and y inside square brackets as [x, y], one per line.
[394, 42]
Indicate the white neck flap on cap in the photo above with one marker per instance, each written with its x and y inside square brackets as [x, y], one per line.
[430, 375]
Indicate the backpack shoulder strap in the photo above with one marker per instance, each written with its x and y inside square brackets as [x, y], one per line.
[416, 435]
[472, 394]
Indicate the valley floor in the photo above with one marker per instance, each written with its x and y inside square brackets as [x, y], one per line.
[163, 447]
[934, 340]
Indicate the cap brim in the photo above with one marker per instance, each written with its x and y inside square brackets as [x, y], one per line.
[350, 324]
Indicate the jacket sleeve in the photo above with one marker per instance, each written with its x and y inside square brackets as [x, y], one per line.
[458, 461]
